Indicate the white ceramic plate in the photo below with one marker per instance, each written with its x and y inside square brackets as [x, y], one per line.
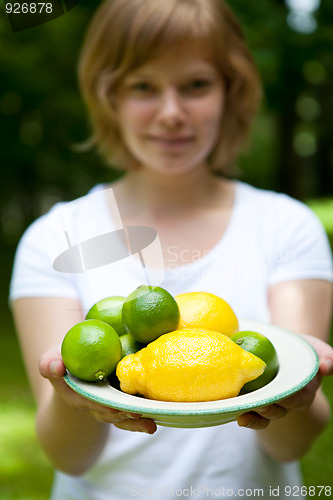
[298, 365]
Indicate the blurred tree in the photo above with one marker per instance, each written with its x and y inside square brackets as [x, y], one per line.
[42, 118]
[321, 80]
[296, 69]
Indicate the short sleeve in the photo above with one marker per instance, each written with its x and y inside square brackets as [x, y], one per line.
[300, 247]
[33, 273]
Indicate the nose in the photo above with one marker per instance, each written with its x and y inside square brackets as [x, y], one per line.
[172, 111]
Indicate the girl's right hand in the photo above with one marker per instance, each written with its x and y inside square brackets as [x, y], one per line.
[52, 368]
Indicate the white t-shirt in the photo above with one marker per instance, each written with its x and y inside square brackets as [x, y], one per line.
[270, 238]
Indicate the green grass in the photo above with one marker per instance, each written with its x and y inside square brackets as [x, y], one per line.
[317, 464]
[324, 210]
[24, 471]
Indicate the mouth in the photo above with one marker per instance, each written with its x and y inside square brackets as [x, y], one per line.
[171, 141]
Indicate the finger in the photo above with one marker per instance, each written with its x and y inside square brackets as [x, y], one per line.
[141, 425]
[252, 420]
[51, 364]
[52, 367]
[325, 354]
[326, 367]
[272, 412]
[114, 416]
[54, 370]
[103, 414]
[302, 399]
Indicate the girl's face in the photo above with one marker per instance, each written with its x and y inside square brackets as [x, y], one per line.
[170, 110]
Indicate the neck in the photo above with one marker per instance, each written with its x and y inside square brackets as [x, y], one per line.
[160, 194]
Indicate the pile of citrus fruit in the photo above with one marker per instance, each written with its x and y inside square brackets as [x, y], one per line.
[183, 348]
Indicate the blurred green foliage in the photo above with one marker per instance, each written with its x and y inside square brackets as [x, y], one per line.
[25, 473]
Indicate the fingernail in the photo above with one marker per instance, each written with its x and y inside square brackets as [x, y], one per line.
[130, 415]
[244, 422]
[54, 367]
[241, 425]
[328, 365]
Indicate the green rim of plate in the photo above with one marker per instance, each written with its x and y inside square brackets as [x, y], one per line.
[238, 407]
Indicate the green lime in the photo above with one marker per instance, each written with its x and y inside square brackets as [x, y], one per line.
[91, 350]
[129, 345]
[109, 311]
[262, 347]
[150, 311]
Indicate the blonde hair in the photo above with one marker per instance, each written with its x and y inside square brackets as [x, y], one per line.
[124, 34]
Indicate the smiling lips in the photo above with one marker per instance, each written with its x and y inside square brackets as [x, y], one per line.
[171, 141]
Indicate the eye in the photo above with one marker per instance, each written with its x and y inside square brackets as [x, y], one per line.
[142, 87]
[197, 86]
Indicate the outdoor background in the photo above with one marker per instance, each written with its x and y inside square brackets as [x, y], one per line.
[42, 117]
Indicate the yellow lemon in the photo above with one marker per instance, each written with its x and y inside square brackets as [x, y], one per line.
[208, 311]
[189, 365]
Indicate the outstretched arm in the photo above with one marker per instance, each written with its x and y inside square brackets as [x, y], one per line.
[72, 430]
[304, 307]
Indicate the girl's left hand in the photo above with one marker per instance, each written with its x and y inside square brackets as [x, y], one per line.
[300, 401]
[325, 354]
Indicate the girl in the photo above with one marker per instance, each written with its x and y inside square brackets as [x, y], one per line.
[172, 91]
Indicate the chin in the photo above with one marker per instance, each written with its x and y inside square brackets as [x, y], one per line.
[173, 167]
